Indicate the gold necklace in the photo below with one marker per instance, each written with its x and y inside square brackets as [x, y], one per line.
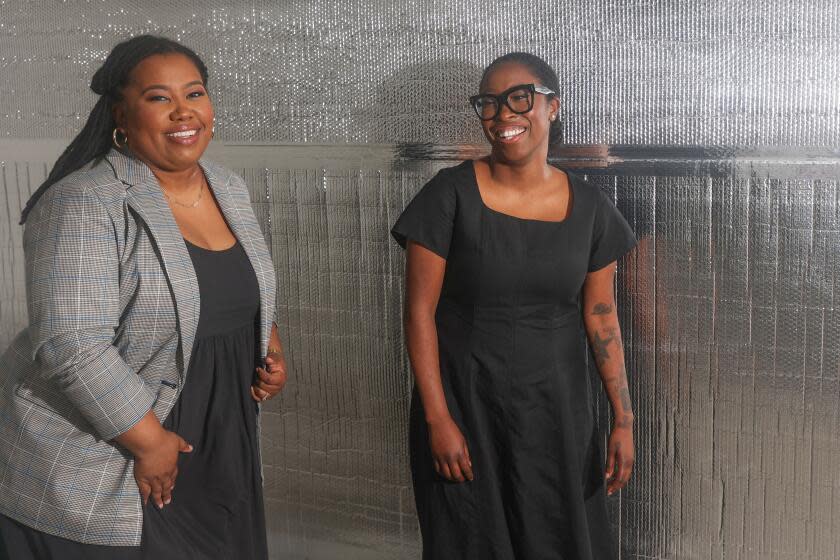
[194, 203]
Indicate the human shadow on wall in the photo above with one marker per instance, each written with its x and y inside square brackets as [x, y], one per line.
[421, 112]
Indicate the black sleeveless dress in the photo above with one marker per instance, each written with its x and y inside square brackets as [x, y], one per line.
[513, 366]
[217, 506]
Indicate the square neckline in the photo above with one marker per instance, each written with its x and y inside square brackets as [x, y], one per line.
[569, 209]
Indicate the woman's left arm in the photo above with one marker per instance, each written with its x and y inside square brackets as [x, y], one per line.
[271, 378]
[604, 333]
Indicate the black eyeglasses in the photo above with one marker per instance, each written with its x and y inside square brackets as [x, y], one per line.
[519, 99]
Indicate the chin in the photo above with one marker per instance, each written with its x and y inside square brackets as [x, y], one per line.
[188, 154]
[512, 153]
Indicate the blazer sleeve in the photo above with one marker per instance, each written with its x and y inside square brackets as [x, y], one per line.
[72, 273]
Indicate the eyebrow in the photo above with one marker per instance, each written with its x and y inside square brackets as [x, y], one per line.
[159, 86]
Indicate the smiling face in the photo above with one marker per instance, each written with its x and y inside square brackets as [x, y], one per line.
[166, 113]
[518, 138]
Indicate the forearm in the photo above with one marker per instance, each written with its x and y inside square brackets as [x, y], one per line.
[421, 339]
[604, 333]
[143, 437]
[92, 374]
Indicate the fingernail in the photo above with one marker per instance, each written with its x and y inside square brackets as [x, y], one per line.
[167, 501]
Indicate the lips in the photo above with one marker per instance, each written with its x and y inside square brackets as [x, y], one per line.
[184, 136]
[509, 133]
[183, 133]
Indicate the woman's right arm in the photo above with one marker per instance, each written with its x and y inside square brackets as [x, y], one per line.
[72, 272]
[424, 279]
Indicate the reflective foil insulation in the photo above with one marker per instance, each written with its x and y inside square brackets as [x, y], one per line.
[713, 125]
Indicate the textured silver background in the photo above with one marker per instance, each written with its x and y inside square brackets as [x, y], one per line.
[634, 71]
[729, 306]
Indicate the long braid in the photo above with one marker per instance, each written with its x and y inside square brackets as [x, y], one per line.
[94, 141]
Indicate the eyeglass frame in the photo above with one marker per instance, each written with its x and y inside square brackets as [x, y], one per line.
[503, 98]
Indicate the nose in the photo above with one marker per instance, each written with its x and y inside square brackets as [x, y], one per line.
[505, 113]
[180, 111]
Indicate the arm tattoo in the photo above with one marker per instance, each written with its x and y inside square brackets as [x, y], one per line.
[624, 421]
[602, 309]
[599, 345]
[624, 394]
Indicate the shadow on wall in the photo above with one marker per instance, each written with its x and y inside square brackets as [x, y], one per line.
[425, 103]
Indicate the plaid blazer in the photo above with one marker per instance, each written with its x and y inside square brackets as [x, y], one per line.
[113, 309]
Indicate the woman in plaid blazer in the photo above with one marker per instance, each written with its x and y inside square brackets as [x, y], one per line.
[114, 306]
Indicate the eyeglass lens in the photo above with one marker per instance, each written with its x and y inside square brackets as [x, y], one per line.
[518, 101]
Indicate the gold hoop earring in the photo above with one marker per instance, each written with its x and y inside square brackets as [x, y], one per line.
[117, 143]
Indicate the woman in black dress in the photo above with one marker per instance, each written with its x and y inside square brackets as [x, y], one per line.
[510, 265]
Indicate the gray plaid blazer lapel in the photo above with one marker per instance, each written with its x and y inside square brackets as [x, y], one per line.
[240, 218]
[145, 197]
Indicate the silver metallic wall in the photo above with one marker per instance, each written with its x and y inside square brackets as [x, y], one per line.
[709, 122]
[736, 72]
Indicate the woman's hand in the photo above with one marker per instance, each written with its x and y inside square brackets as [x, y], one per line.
[449, 451]
[155, 470]
[621, 454]
[271, 378]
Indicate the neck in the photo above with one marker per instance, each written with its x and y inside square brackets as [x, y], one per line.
[532, 172]
[182, 180]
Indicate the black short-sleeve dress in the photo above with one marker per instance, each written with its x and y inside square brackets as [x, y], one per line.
[512, 361]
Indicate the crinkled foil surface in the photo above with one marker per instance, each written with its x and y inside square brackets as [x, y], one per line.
[714, 125]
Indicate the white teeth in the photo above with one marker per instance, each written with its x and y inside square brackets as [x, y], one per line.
[183, 134]
[510, 132]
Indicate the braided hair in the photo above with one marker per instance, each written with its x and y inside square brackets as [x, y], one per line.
[95, 140]
[547, 77]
